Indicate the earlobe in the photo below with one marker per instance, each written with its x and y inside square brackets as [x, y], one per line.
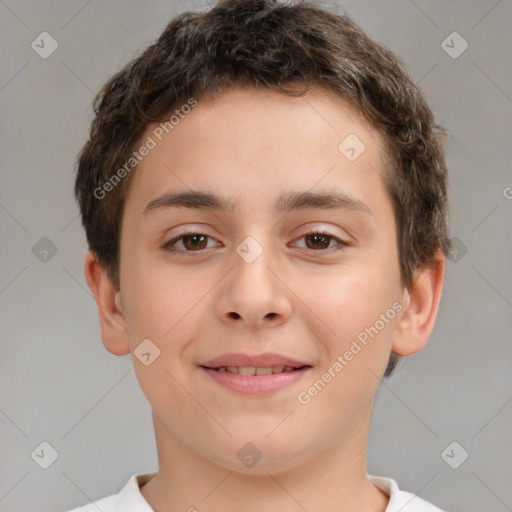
[421, 305]
[108, 301]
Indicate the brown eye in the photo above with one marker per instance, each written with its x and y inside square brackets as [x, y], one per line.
[196, 242]
[318, 241]
[192, 242]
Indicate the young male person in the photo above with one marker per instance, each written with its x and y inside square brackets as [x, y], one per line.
[264, 195]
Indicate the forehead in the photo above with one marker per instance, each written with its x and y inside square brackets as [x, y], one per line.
[253, 145]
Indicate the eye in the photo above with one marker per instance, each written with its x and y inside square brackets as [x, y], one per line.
[192, 242]
[319, 241]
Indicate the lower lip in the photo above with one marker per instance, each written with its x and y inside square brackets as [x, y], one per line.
[255, 384]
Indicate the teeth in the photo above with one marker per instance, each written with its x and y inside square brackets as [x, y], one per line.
[263, 371]
[252, 370]
[247, 370]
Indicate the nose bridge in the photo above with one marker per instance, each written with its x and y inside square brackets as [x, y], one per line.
[254, 292]
[254, 258]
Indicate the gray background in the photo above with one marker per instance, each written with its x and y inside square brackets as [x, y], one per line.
[58, 383]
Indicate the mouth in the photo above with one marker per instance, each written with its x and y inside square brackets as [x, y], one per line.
[254, 378]
[257, 371]
[254, 374]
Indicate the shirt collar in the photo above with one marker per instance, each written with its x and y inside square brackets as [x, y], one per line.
[130, 499]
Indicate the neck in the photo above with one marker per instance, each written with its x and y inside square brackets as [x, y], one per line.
[334, 480]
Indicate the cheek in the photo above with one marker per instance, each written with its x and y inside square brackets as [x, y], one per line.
[361, 320]
[155, 294]
[157, 309]
[345, 313]
[348, 297]
[167, 305]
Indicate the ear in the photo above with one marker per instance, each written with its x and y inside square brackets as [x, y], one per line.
[421, 304]
[108, 301]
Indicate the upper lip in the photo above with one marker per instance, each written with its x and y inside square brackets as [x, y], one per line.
[258, 361]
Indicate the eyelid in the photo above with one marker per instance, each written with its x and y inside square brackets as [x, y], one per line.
[308, 229]
[168, 245]
[341, 242]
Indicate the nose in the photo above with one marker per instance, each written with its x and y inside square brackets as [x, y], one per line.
[254, 293]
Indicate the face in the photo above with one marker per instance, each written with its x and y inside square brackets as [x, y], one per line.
[313, 281]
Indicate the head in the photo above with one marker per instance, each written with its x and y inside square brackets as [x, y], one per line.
[251, 101]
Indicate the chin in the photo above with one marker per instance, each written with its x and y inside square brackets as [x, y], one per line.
[260, 454]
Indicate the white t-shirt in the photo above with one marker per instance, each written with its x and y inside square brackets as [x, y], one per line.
[130, 498]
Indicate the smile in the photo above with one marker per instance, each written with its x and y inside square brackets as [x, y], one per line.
[253, 370]
[255, 381]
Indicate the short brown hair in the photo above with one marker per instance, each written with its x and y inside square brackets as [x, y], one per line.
[287, 48]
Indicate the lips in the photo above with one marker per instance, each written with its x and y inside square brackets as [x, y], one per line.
[247, 364]
[255, 375]
[254, 370]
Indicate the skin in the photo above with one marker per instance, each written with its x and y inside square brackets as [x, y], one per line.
[252, 146]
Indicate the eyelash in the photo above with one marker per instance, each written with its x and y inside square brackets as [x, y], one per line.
[168, 246]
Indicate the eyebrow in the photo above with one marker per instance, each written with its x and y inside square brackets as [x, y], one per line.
[200, 200]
